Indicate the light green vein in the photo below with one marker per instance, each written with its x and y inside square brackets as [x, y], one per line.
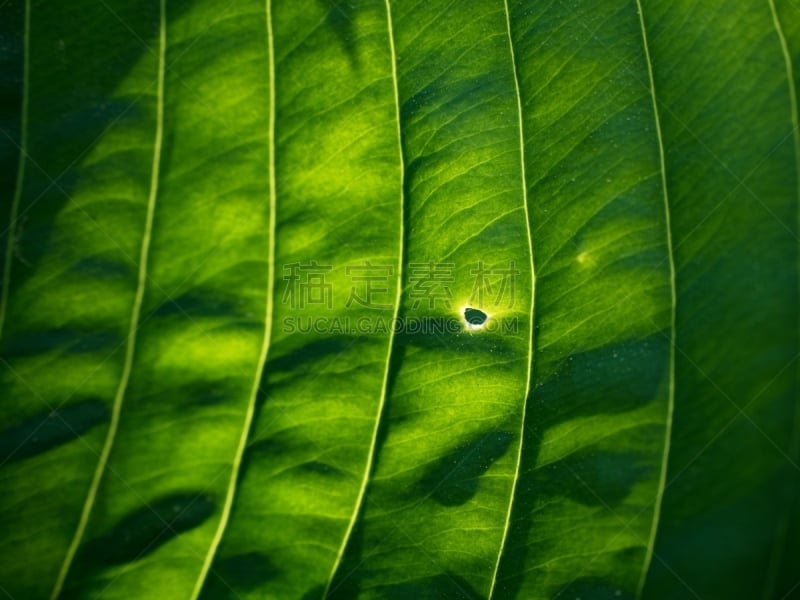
[251, 407]
[385, 386]
[776, 557]
[130, 347]
[507, 524]
[662, 482]
[23, 154]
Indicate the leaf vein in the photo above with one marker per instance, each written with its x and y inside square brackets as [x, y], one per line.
[130, 347]
[23, 153]
[250, 414]
[673, 309]
[528, 390]
[385, 385]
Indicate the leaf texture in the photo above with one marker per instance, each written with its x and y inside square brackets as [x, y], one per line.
[399, 299]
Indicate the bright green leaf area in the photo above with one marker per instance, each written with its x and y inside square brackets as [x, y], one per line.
[389, 299]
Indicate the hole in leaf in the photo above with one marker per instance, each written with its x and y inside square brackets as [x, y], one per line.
[475, 316]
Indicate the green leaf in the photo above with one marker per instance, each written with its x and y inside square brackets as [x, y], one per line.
[310, 448]
[435, 512]
[735, 249]
[395, 299]
[599, 414]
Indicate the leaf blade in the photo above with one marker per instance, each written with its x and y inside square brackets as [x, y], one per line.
[739, 199]
[440, 458]
[593, 454]
[312, 444]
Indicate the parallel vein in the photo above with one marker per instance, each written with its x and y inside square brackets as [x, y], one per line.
[385, 385]
[251, 407]
[673, 309]
[23, 155]
[527, 396]
[130, 347]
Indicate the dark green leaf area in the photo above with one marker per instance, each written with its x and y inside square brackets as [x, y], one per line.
[149, 527]
[455, 479]
[243, 571]
[49, 430]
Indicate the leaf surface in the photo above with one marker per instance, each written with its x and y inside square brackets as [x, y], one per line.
[733, 189]
[399, 298]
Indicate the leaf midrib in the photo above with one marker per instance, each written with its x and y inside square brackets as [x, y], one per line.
[250, 414]
[400, 256]
[528, 392]
[130, 348]
[23, 156]
[662, 482]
